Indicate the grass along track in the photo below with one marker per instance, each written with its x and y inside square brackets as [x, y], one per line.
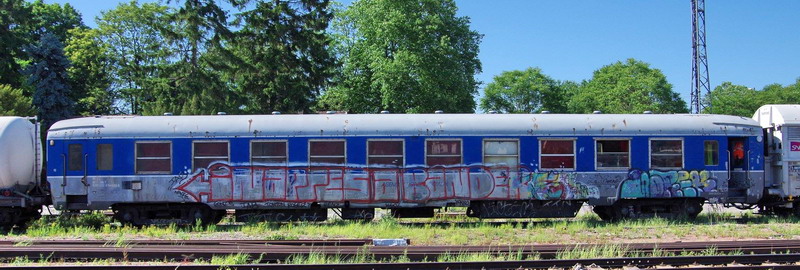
[443, 231]
[271, 253]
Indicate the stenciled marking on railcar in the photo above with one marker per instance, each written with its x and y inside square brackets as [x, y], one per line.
[667, 184]
[223, 182]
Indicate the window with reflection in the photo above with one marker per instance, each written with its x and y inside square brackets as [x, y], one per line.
[666, 153]
[268, 152]
[442, 152]
[613, 154]
[153, 157]
[207, 152]
[501, 152]
[327, 152]
[385, 152]
[557, 154]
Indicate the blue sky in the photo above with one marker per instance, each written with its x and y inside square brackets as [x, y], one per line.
[753, 43]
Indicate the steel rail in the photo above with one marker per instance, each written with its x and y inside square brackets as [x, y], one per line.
[703, 262]
[164, 250]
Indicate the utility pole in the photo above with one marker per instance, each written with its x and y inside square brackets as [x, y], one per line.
[700, 83]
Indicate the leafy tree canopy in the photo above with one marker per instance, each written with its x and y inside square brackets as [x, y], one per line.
[628, 87]
[90, 80]
[13, 102]
[524, 91]
[405, 56]
[284, 55]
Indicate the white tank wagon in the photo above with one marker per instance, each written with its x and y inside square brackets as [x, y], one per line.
[20, 169]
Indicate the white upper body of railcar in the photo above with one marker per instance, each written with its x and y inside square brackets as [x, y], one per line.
[335, 125]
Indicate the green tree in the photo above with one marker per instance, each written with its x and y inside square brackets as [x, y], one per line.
[48, 74]
[13, 102]
[14, 15]
[284, 56]
[405, 56]
[731, 99]
[53, 19]
[629, 87]
[523, 91]
[778, 94]
[139, 52]
[90, 79]
[194, 83]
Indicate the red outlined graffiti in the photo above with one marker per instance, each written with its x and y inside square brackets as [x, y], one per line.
[226, 183]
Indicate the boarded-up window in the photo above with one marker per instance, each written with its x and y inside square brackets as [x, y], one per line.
[613, 154]
[207, 152]
[268, 152]
[153, 157]
[105, 157]
[665, 153]
[443, 152]
[557, 154]
[501, 152]
[385, 152]
[75, 157]
[326, 152]
[711, 153]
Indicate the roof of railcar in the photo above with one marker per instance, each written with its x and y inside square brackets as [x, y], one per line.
[323, 125]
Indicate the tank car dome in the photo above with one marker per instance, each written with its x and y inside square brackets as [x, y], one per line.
[18, 164]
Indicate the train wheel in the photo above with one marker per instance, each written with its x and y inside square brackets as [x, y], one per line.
[603, 212]
[691, 209]
[199, 213]
[127, 216]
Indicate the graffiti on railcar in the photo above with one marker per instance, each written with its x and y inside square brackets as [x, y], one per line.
[555, 185]
[223, 182]
[666, 184]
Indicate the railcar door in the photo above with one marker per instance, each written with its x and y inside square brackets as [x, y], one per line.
[738, 182]
[75, 169]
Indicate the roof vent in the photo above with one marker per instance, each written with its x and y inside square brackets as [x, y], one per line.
[384, 112]
[545, 112]
[597, 112]
[276, 112]
[438, 112]
[221, 113]
[167, 114]
[648, 112]
[492, 112]
[331, 112]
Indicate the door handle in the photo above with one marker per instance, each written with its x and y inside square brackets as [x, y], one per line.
[85, 169]
[729, 165]
[64, 177]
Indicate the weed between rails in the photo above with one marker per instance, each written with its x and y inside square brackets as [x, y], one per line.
[442, 230]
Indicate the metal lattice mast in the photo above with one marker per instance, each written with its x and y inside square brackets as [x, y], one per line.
[700, 82]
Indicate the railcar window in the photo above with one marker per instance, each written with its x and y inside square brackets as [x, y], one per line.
[557, 154]
[711, 153]
[327, 152]
[613, 154]
[501, 151]
[665, 153]
[207, 152]
[105, 157]
[153, 157]
[268, 152]
[75, 157]
[443, 152]
[385, 152]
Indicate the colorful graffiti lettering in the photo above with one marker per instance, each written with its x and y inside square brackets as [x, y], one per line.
[556, 186]
[666, 184]
[225, 183]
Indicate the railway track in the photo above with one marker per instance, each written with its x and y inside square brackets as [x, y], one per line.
[757, 261]
[278, 251]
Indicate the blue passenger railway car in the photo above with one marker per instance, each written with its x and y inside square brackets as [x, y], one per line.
[152, 169]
